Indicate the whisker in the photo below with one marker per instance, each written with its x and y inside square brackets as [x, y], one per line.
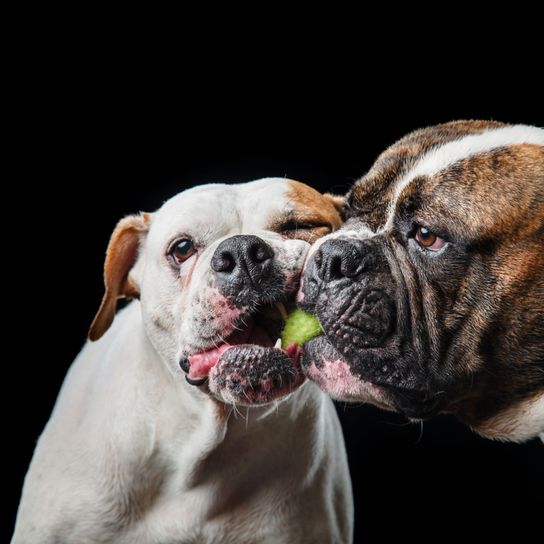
[420, 431]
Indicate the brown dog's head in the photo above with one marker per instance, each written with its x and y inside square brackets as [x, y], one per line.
[431, 295]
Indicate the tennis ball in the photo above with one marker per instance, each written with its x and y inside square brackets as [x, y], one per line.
[299, 327]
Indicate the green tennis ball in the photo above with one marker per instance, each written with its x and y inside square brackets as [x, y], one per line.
[299, 327]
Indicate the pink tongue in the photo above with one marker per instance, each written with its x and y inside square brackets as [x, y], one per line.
[201, 363]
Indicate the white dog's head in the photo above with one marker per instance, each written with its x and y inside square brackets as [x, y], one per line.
[213, 269]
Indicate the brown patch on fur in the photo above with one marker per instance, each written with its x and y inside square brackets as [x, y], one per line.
[336, 200]
[501, 324]
[483, 301]
[308, 206]
[491, 203]
[370, 196]
[490, 195]
[121, 255]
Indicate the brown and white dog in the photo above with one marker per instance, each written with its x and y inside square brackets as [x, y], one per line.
[432, 293]
[136, 453]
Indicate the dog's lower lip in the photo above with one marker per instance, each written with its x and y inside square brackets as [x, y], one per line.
[212, 357]
[199, 381]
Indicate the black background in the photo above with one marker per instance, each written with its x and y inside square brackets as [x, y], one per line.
[96, 143]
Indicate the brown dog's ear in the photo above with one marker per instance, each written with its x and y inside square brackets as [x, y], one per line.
[121, 256]
[337, 202]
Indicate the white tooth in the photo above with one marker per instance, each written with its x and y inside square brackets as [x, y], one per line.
[277, 345]
[281, 310]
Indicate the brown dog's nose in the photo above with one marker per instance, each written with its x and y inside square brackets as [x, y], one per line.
[337, 259]
[242, 260]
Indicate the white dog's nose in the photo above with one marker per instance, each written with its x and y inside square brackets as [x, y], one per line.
[242, 261]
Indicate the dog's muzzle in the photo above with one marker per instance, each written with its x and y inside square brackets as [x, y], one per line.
[358, 311]
[246, 363]
[349, 284]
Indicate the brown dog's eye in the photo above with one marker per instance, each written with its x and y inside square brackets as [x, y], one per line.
[428, 239]
[182, 250]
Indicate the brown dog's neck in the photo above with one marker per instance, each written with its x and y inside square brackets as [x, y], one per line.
[502, 417]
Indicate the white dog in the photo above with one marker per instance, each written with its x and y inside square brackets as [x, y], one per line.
[137, 451]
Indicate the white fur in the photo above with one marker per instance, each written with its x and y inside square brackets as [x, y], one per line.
[442, 156]
[518, 423]
[133, 454]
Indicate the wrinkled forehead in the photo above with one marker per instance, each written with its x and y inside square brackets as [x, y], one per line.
[485, 174]
[221, 209]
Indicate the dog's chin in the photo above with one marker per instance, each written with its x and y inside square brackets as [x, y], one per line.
[249, 367]
[334, 374]
[322, 364]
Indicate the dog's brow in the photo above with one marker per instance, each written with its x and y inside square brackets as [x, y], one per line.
[441, 158]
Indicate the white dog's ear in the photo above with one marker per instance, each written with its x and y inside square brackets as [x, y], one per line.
[121, 256]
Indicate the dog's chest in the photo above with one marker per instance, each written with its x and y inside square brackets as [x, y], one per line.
[209, 513]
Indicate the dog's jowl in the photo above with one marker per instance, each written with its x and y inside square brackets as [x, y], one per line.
[431, 295]
[183, 419]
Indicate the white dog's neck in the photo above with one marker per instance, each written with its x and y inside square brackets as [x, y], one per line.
[174, 423]
[149, 451]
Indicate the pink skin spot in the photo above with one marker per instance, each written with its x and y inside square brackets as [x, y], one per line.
[335, 378]
[223, 311]
[225, 316]
[300, 294]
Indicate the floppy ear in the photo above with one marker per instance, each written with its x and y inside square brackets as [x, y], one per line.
[337, 202]
[121, 256]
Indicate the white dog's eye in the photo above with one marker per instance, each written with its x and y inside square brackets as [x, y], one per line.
[182, 250]
[293, 225]
[428, 239]
[304, 230]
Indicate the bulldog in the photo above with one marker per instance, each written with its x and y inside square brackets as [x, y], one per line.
[183, 420]
[431, 295]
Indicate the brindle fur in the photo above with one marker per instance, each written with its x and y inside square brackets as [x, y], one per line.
[469, 333]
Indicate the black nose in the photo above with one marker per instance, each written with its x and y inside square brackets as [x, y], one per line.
[338, 259]
[242, 260]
